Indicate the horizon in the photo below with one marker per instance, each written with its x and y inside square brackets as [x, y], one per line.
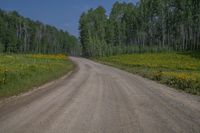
[61, 17]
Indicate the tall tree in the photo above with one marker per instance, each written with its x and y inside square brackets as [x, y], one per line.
[22, 35]
[149, 25]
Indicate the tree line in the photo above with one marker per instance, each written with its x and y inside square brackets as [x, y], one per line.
[149, 25]
[22, 35]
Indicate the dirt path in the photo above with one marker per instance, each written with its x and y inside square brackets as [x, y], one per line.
[101, 99]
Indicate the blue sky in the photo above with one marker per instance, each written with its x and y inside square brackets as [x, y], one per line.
[63, 14]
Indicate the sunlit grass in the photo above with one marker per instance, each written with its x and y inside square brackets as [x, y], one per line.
[21, 72]
[180, 70]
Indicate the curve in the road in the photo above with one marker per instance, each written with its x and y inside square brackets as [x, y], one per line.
[101, 99]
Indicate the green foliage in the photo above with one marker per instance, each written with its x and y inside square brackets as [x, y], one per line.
[93, 31]
[158, 24]
[22, 35]
[180, 70]
[18, 73]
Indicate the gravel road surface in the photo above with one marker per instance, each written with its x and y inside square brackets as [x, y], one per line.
[101, 99]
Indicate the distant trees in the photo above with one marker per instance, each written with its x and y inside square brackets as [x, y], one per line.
[93, 31]
[22, 35]
[150, 25]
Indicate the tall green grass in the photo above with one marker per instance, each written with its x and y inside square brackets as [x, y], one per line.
[180, 70]
[19, 73]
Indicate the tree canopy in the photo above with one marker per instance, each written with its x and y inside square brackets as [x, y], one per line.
[22, 35]
[150, 25]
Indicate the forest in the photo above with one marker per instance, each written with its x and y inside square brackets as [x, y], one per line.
[148, 26]
[23, 35]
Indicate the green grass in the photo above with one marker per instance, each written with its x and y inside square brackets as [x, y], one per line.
[19, 73]
[179, 70]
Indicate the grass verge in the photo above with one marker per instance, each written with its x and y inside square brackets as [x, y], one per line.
[178, 70]
[19, 73]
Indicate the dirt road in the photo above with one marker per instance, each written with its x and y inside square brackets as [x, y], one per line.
[101, 99]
